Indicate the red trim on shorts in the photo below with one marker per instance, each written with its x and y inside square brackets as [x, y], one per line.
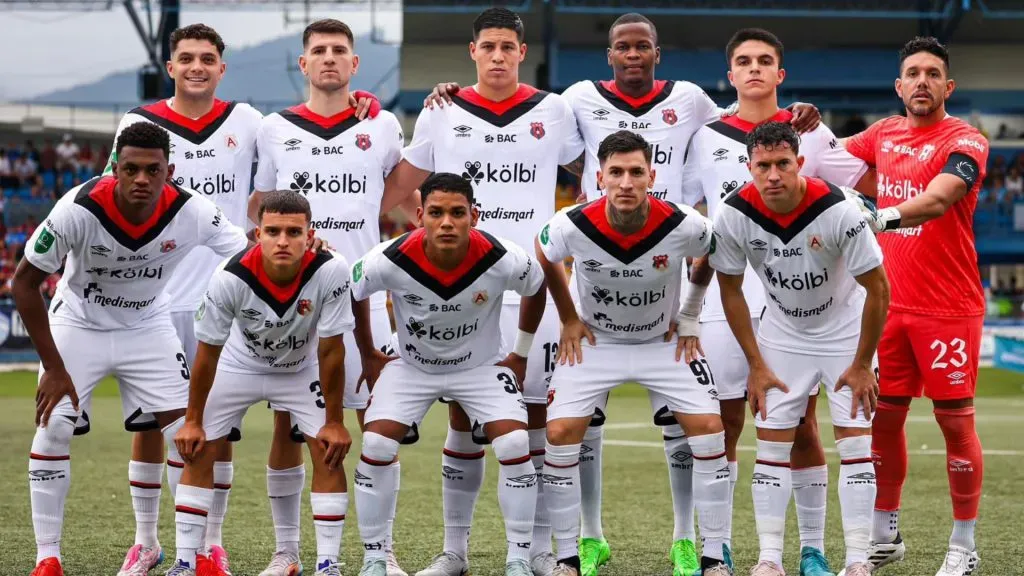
[574, 464]
[515, 461]
[174, 464]
[146, 485]
[537, 452]
[190, 510]
[770, 463]
[855, 461]
[221, 486]
[328, 518]
[373, 462]
[463, 455]
[712, 457]
[34, 456]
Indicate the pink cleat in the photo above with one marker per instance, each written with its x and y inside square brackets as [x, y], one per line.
[140, 560]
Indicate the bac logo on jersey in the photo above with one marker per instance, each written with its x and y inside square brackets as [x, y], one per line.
[634, 125]
[363, 141]
[814, 242]
[660, 262]
[669, 116]
[329, 150]
[480, 297]
[168, 245]
[304, 307]
[500, 138]
[200, 154]
[445, 308]
[537, 130]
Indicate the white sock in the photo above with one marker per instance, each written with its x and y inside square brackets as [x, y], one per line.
[175, 464]
[223, 475]
[963, 534]
[517, 491]
[191, 506]
[772, 487]
[284, 487]
[462, 475]
[680, 480]
[396, 471]
[590, 483]
[711, 490]
[145, 481]
[329, 509]
[810, 492]
[856, 495]
[49, 479]
[561, 490]
[885, 525]
[375, 492]
[734, 474]
[541, 518]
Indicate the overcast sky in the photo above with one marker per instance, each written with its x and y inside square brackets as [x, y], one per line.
[45, 51]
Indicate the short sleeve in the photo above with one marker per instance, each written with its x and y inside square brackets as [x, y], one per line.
[367, 273]
[726, 249]
[216, 232]
[420, 152]
[970, 144]
[858, 246]
[572, 140]
[699, 233]
[863, 145]
[552, 239]
[835, 163]
[693, 188]
[393, 154]
[336, 313]
[53, 239]
[216, 310]
[525, 276]
[265, 179]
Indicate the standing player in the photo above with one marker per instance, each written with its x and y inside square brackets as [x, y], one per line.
[635, 247]
[123, 236]
[930, 166]
[810, 250]
[265, 309]
[507, 139]
[716, 165]
[322, 150]
[213, 147]
[448, 281]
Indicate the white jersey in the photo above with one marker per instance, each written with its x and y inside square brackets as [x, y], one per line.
[806, 261]
[629, 285]
[510, 151]
[716, 164]
[667, 118]
[116, 273]
[269, 329]
[448, 320]
[212, 155]
[339, 164]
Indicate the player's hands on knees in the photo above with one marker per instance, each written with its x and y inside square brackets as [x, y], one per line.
[190, 440]
[687, 329]
[517, 364]
[373, 363]
[336, 442]
[441, 95]
[570, 345]
[806, 117]
[760, 381]
[862, 382]
[317, 244]
[53, 386]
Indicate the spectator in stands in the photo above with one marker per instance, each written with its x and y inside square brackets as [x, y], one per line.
[85, 157]
[1014, 184]
[1004, 132]
[32, 152]
[67, 154]
[998, 167]
[48, 158]
[7, 179]
[24, 170]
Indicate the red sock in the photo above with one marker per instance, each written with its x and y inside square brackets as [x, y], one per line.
[964, 461]
[889, 451]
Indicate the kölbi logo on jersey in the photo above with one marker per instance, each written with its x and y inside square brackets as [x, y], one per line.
[798, 282]
[305, 183]
[660, 156]
[211, 185]
[447, 334]
[515, 173]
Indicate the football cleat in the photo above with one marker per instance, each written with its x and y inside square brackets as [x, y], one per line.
[48, 567]
[219, 556]
[446, 564]
[392, 566]
[374, 568]
[684, 558]
[181, 568]
[283, 564]
[857, 569]
[882, 553]
[766, 568]
[518, 568]
[813, 563]
[543, 564]
[594, 553]
[565, 570]
[959, 562]
[328, 568]
[140, 560]
[715, 568]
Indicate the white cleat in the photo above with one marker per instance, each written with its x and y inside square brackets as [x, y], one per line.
[283, 564]
[329, 568]
[392, 567]
[856, 569]
[374, 568]
[446, 564]
[518, 568]
[959, 562]
[720, 569]
[884, 553]
[543, 564]
[766, 568]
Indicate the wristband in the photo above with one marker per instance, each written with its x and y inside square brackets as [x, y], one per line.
[524, 341]
[888, 219]
[687, 319]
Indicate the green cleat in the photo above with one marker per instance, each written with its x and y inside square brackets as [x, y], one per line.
[684, 558]
[594, 553]
[813, 563]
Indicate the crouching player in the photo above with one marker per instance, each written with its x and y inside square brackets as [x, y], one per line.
[631, 249]
[822, 273]
[265, 309]
[447, 281]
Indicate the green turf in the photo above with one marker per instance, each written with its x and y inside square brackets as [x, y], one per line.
[637, 515]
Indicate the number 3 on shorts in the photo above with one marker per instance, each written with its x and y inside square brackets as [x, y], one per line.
[509, 382]
[184, 366]
[958, 357]
[314, 387]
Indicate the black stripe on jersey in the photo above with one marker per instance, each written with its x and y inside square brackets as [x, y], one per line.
[403, 261]
[178, 129]
[510, 115]
[84, 200]
[621, 254]
[621, 104]
[835, 196]
[729, 131]
[316, 129]
[280, 308]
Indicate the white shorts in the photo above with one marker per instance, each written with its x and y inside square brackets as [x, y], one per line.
[148, 363]
[297, 393]
[381, 325]
[577, 390]
[726, 358]
[185, 325]
[404, 393]
[543, 353]
[801, 373]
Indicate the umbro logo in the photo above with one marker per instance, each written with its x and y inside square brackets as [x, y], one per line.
[251, 314]
[462, 131]
[759, 244]
[361, 476]
[720, 154]
[958, 375]
[684, 457]
[525, 480]
[764, 477]
[450, 470]
[862, 476]
[592, 265]
[292, 144]
[601, 114]
[99, 250]
[412, 299]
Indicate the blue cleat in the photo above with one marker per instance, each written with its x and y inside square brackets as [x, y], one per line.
[813, 563]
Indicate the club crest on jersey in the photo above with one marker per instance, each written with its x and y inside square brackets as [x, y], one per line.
[480, 297]
[669, 116]
[231, 141]
[304, 307]
[814, 242]
[363, 141]
[660, 262]
[168, 245]
[537, 130]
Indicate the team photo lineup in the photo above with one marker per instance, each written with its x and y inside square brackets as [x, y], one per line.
[741, 264]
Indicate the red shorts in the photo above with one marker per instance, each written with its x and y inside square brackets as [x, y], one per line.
[935, 355]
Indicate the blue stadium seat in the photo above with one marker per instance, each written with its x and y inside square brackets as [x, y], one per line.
[49, 180]
[67, 180]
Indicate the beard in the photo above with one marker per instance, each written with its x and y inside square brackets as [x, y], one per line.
[922, 109]
[629, 222]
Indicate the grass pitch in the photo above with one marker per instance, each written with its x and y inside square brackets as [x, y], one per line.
[99, 525]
